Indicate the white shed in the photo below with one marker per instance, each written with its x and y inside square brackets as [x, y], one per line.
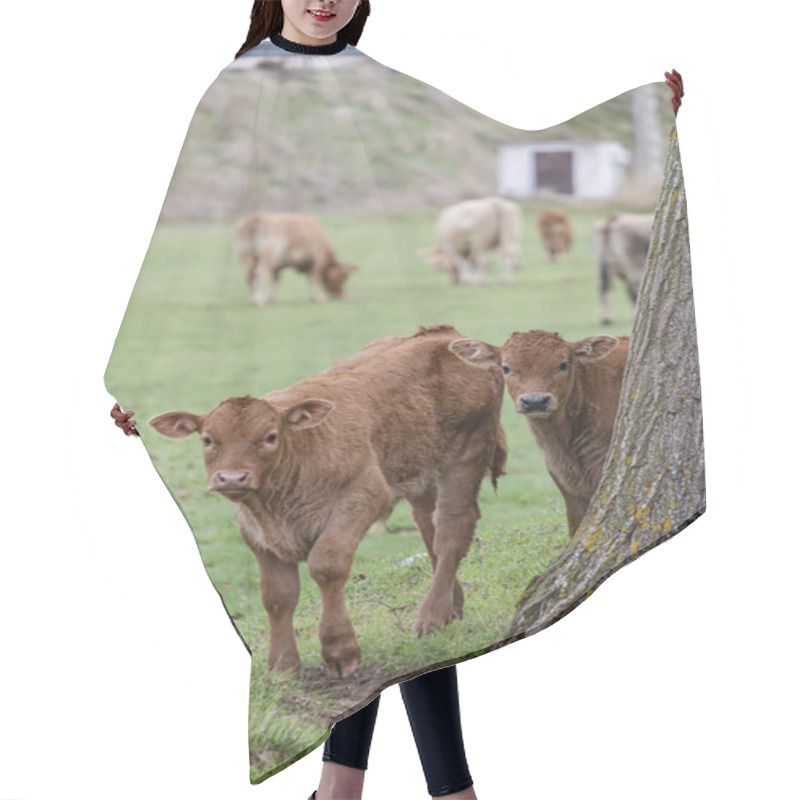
[581, 169]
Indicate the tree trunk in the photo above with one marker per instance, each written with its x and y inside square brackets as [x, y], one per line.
[648, 153]
[653, 484]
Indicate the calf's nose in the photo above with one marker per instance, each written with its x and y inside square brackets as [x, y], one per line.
[534, 402]
[230, 481]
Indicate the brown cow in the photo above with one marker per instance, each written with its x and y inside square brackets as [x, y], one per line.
[312, 467]
[621, 243]
[569, 393]
[556, 230]
[470, 233]
[268, 243]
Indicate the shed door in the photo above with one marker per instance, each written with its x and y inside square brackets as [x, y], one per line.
[554, 172]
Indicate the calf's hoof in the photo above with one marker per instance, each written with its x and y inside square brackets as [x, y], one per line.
[342, 661]
[432, 616]
[285, 662]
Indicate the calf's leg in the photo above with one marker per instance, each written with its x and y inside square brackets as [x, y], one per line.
[423, 509]
[606, 271]
[315, 287]
[280, 590]
[455, 519]
[329, 564]
[272, 273]
[632, 284]
[576, 511]
[510, 264]
[468, 271]
[605, 296]
[250, 262]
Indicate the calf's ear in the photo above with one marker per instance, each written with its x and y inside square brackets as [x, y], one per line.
[308, 414]
[594, 346]
[475, 352]
[176, 424]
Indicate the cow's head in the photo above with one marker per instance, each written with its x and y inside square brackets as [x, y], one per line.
[437, 258]
[335, 276]
[539, 367]
[242, 438]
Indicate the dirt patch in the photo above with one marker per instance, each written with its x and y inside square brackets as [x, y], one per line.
[340, 698]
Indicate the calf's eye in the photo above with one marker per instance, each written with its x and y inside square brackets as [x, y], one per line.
[506, 369]
[206, 440]
[272, 438]
[562, 367]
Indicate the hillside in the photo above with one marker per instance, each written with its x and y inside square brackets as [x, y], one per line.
[360, 135]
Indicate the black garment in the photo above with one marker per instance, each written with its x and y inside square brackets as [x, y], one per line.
[431, 702]
[309, 49]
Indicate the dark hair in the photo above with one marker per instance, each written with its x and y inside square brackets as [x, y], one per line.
[266, 18]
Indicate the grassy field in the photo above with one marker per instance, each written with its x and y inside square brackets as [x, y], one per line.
[191, 338]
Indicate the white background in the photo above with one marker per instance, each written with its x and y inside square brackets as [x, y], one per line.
[121, 676]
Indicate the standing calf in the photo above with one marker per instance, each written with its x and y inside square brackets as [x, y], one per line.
[569, 393]
[312, 467]
[621, 243]
[556, 231]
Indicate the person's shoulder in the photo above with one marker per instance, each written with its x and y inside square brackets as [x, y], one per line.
[259, 57]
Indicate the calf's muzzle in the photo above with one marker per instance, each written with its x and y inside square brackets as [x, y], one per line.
[229, 482]
[535, 403]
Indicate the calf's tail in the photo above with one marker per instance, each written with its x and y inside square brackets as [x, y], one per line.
[498, 466]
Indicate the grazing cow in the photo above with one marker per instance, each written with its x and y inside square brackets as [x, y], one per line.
[556, 230]
[470, 233]
[569, 393]
[621, 242]
[268, 243]
[312, 467]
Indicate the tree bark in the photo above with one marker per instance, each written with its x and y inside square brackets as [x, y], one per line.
[653, 484]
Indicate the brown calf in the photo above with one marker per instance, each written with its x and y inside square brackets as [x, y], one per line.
[269, 243]
[569, 393]
[556, 230]
[312, 467]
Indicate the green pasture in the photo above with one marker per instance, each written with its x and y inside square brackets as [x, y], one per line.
[191, 338]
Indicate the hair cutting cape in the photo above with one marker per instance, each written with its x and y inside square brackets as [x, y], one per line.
[433, 472]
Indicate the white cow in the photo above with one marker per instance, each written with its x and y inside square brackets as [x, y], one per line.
[621, 242]
[471, 233]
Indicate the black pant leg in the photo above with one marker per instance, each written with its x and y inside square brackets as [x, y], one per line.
[351, 738]
[433, 711]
